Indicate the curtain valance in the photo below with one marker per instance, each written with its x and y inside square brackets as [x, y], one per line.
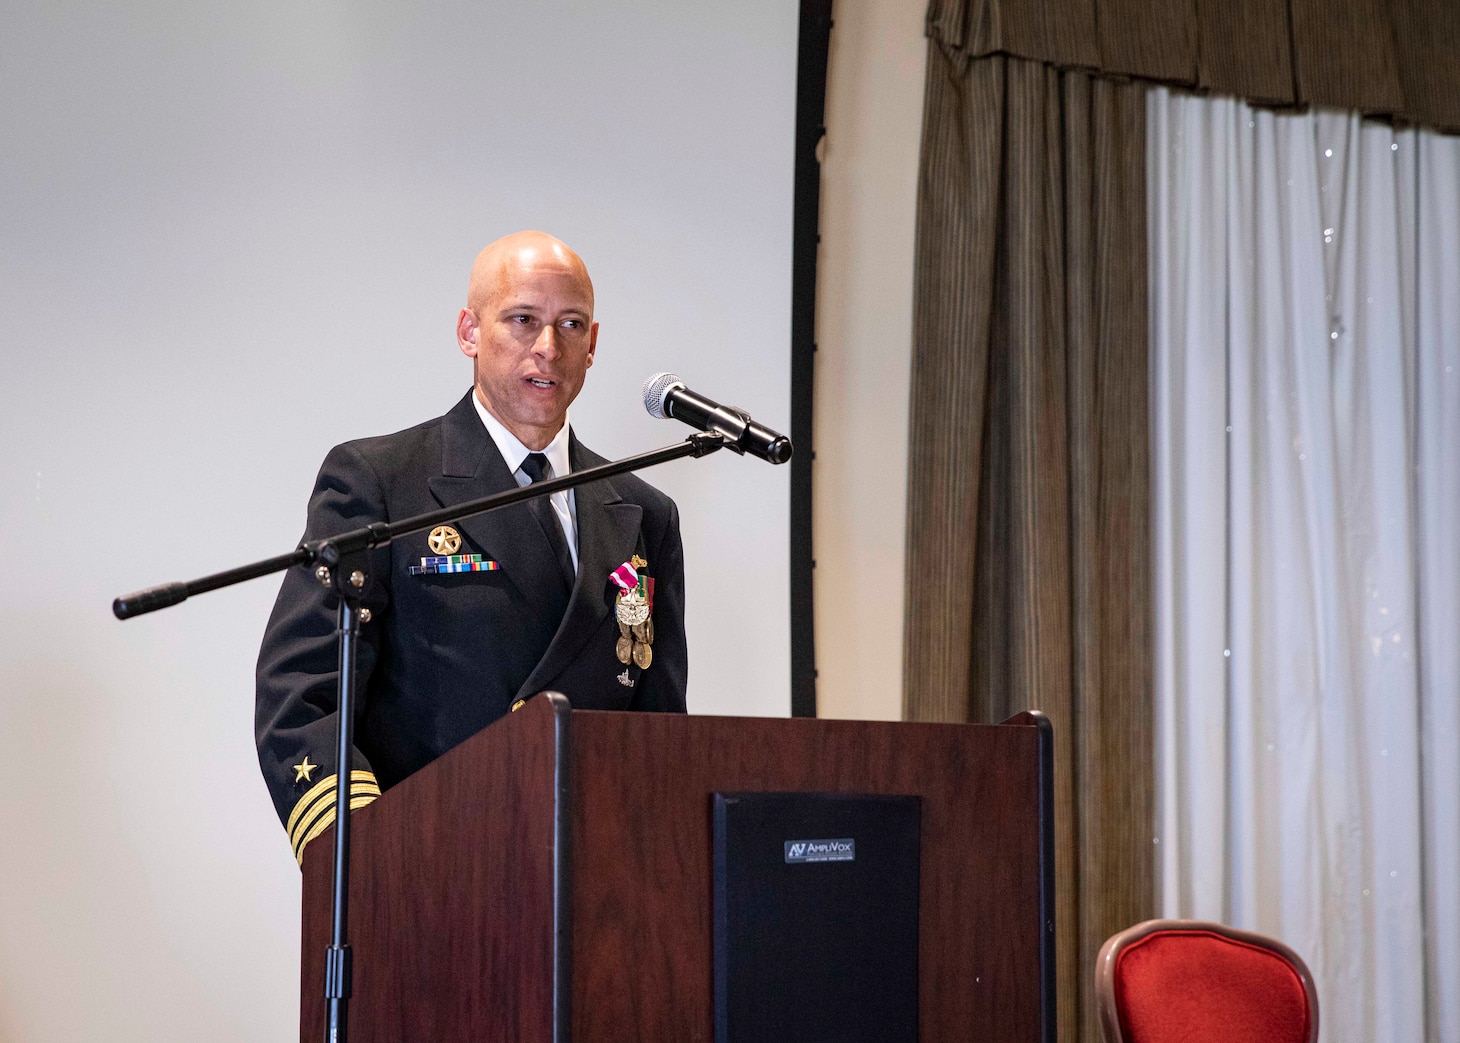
[1388, 58]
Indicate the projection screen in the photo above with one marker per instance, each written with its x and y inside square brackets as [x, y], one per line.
[235, 235]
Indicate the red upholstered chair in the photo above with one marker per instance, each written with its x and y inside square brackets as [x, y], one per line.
[1168, 980]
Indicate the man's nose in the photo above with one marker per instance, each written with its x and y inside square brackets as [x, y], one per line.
[547, 342]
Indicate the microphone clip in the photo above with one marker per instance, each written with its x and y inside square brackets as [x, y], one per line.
[707, 442]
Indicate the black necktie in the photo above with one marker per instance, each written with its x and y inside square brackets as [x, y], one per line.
[536, 467]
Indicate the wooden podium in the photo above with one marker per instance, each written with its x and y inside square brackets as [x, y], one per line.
[550, 879]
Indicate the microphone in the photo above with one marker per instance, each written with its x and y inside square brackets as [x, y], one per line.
[665, 395]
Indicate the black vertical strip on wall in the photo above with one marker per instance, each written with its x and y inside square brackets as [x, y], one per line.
[814, 40]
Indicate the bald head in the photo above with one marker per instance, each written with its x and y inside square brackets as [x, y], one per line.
[528, 328]
[513, 254]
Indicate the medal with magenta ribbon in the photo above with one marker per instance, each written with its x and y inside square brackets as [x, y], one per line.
[634, 611]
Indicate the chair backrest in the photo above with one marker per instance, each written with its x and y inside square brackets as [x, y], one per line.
[1167, 980]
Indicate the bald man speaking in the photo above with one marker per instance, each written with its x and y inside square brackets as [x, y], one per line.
[469, 618]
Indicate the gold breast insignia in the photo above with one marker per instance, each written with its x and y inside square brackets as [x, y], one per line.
[444, 540]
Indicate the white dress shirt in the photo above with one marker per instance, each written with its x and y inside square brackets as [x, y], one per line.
[514, 452]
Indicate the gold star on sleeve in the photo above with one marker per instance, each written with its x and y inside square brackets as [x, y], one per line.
[302, 771]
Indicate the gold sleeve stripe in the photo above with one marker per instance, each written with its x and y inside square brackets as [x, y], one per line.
[323, 814]
[322, 796]
[361, 782]
[328, 782]
[357, 776]
[357, 801]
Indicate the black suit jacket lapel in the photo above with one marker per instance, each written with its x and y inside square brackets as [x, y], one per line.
[472, 467]
[608, 533]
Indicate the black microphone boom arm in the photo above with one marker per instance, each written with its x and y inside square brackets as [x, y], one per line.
[341, 563]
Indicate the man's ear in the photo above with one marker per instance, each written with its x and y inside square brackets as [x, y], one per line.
[468, 333]
[592, 342]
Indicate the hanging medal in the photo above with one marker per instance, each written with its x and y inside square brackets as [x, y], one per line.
[634, 612]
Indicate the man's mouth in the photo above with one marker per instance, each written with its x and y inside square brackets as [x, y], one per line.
[541, 383]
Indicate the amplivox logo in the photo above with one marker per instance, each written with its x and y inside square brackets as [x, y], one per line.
[821, 850]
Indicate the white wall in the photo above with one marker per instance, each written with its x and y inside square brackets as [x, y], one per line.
[874, 110]
[233, 235]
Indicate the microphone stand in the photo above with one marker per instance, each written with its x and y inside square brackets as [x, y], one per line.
[340, 563]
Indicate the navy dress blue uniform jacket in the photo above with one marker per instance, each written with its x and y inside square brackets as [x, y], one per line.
[445, 655]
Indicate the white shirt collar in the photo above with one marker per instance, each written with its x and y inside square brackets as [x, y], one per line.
[513, 451]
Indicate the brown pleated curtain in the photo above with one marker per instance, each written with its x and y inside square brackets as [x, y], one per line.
[1028, 553]
[1027, 569]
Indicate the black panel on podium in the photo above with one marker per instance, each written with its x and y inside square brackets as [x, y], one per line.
[816, 917]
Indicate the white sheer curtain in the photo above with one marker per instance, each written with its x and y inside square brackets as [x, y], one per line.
[1305, 288]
